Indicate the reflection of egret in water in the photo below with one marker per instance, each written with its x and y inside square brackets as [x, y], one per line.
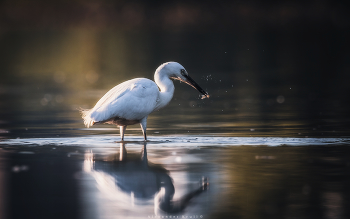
[139, 180]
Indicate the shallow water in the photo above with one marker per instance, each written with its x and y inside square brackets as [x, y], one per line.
[175, 176]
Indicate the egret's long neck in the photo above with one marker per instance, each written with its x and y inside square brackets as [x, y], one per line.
[166, 86]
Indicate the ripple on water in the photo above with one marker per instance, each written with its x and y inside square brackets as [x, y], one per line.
[182, 141]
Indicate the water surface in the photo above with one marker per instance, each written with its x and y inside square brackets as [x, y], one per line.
[272, 141]
[191, 176]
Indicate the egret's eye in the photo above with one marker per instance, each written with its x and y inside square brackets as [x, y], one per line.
[183, 72]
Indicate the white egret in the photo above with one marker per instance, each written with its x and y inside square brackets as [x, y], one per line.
[132, 101]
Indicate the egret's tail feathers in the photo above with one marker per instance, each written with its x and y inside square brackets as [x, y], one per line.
[86, 115]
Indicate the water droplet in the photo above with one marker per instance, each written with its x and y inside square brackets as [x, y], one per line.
[280, 99]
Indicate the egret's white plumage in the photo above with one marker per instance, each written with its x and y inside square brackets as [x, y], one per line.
[132, 101]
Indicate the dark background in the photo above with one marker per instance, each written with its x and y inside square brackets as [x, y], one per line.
[268, 66]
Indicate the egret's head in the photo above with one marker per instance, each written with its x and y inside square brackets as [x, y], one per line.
[178, 72]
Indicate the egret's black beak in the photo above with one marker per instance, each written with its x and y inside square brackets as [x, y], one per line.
[192, 83]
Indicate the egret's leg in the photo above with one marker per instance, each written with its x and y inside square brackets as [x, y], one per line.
[122, 130]
[143, 124]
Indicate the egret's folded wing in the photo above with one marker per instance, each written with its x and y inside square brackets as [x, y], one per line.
[112, 95]
[132, 100]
